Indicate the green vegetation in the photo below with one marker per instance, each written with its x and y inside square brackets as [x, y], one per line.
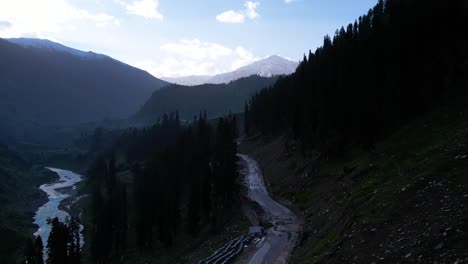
[34, 252]
[156, 188]
[391, 65]
[63, 245]
[19, 199]
[368, 139]
[216, 99]
[399, 198]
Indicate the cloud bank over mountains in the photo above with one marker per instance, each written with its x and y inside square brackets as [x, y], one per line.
[195, 57]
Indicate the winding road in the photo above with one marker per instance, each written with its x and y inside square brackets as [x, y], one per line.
[280, 239]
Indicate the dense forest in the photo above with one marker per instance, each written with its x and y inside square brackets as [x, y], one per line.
[390, 65]
[19, 198]
[63, 245]
[158, 182]
[216, 99]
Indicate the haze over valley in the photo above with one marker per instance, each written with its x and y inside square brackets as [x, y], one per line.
[288, 131]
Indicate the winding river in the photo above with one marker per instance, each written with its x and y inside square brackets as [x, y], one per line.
[56, 192]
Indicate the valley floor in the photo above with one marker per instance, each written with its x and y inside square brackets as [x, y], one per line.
[283, 225]
[404, 202]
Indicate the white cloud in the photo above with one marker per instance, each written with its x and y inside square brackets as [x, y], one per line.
[4, 24]
[195, 57]
[196, 50]
[251, 7]
[244, 57]
[40, 18]
[145, 8]
[232, 16]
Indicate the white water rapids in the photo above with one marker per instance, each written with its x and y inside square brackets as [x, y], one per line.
[56, 192]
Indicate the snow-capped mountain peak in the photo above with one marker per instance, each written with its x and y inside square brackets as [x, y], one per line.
[268, 67]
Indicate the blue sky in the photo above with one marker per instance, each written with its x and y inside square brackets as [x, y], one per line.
[182, 37]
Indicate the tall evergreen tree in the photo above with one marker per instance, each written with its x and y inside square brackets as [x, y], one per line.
[38, 250]
[57, 249]
[394, 63]
[246, 120]
[74, 244]
[29, 256]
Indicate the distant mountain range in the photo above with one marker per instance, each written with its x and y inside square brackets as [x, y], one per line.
[45, 84]
[216, 99]
[271, 66]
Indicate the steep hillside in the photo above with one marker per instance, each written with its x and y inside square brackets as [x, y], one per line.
[51, 46]
[43, 87]
[19, 198]
[216, 99]
[403, 202]
[367, 140]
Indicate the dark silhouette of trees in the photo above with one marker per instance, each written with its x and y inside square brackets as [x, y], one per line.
[29, 252]
[38, 250]
[57, 251]
[184, 178]
[216, 99]
[246, 120]
[63, 245]
[74, 242]
[34, 251]
[390, 65]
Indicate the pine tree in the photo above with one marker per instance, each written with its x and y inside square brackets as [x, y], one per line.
[57, 251]
[246, 120]
[29, 257]
[74, 247]
[38, 250]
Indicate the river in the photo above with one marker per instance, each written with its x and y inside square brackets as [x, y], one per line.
[56, 192]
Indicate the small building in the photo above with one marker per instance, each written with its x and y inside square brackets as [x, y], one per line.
[256, 231]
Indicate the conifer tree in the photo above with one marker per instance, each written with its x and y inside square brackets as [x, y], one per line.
[38, 250]
[57, 249]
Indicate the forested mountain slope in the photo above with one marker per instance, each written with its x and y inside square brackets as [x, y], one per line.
[367, 140]
[43, 87]
[160, 190]
[398, 61]
[216, 99]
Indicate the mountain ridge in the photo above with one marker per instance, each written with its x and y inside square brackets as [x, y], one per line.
[216, 99]
[271, 66]
[36, 81]
[54, 46]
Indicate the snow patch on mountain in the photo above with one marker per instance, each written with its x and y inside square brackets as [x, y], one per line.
[54, 46]
[271, 66]
[188, 80]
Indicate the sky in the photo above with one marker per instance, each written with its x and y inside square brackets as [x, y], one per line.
[173, 38]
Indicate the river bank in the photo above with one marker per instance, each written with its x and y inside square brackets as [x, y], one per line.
[57, 192]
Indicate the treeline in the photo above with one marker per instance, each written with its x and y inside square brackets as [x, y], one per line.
[178, 179]
[396, 62]
[217, 99]
[63, 244]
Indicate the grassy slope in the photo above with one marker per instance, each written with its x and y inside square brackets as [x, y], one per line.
[19, 199]
[404, 202]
